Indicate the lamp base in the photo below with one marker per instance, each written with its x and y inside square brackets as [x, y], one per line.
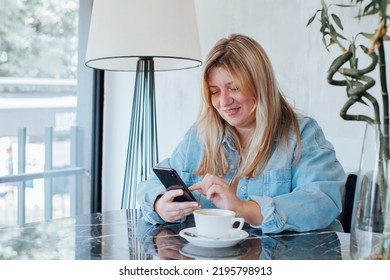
[142, 150]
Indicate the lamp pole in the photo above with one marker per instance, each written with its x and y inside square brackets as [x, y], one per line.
[142, 149]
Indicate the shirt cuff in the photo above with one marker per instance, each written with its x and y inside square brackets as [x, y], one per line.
[153, 218]
[273, 221]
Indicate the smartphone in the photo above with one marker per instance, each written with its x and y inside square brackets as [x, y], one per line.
[172, 181]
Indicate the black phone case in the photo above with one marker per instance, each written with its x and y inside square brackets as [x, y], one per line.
[171, 180]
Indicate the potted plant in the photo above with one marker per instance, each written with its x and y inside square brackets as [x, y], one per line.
[370, 231]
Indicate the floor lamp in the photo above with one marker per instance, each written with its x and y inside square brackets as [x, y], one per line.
[142, 36]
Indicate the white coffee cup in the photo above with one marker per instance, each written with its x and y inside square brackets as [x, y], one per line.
[216, 223]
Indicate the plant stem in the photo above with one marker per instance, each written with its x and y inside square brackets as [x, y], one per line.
[385, 137]
[385, 97]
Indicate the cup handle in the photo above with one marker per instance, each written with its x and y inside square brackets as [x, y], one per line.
[237, 229]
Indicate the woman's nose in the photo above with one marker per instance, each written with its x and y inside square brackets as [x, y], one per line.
[226, 99]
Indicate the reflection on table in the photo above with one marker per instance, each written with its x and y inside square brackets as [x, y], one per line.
[122, 235]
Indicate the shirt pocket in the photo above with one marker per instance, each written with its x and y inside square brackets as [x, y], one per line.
[189, 178]
[277, 182]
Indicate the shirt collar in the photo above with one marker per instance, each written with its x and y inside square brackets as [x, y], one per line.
[228, 142]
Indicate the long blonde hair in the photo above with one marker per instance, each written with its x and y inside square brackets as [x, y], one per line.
[252, 72]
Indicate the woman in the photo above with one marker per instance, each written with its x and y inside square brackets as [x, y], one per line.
[250, 152]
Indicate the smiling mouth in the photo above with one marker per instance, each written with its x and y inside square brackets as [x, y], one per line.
[231, 111]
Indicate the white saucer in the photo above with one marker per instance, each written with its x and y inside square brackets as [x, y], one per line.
[210, 242]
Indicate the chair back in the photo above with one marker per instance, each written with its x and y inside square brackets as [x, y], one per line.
[346, 214]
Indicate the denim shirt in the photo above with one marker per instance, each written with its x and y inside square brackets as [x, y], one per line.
[295, 196]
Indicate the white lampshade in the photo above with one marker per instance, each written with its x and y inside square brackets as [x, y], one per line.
[122, 31]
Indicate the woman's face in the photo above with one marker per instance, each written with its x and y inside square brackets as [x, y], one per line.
[232, 105]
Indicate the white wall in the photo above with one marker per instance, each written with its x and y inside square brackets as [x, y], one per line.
[300, 62]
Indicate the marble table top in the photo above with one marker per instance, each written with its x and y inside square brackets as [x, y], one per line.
[122, 235]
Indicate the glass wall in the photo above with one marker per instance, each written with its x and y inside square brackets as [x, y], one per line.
[39, 68]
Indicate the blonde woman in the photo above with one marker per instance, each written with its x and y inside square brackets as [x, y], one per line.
[249, 151]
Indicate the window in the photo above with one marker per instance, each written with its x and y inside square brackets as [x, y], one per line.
[40, 85]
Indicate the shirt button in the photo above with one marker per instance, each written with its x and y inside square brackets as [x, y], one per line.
[243, 188]
[231, 166]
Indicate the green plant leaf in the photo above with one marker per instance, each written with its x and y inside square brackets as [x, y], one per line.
[344, 6]
[324, 7]
[333, 31]
[383, 7]
[367, 35]
[337, 21]
[370, 9]
[335, 35]
[312, 18]
[325, 44]
[342, 37]
[370, 35]
[331, 42]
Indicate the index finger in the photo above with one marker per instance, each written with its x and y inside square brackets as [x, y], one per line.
[195, 187]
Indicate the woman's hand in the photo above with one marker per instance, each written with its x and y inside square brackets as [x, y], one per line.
[218, 191]
[171, 211]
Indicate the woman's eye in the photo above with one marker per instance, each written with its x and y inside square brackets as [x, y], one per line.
[234, 89]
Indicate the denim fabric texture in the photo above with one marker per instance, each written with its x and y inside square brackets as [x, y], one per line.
[303, 196]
